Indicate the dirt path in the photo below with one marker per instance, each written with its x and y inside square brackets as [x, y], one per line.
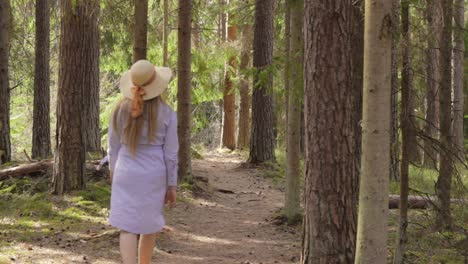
[229, 228]
[213, 228]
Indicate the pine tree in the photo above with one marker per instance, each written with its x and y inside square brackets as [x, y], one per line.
[262, 140]
[5, 145]
[332, 96]
[184, 97]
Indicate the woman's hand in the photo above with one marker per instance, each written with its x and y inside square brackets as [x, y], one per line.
[171, 196]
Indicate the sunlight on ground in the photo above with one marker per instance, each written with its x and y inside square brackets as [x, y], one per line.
[211, 240]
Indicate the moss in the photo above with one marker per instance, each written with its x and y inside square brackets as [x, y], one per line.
[197, 150]
[96, 192]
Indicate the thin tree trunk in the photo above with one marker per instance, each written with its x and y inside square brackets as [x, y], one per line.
[295, 94]
[332, 168]
[287, 47]
[91, 82]
[76, 55]
[243, 138]
[165, 32]
[196, 30]
[229, 96]
[262, 142]
[222, 39]
[444, 181]
[41, 112]
[406, 137]
[431, 126]
[395, 146]
[140, 30]
[184, 96]
[5, 145]
[371, 244]
[407, 83]
[458, 72]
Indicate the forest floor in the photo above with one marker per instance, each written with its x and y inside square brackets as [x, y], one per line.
[230, 219]
[229, 216]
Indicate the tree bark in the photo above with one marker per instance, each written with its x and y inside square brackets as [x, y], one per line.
[229, 96]
[165, 32]
[287, 48]
[444, 181]
[262, 141]
[140, 30]
[243, 138]
[458, 73]
[431, 126]
[295, 94]
[184, 96]
[91, 82]
[331, 96]
[76, 55]
[394, 137]
[371, 245]
[5, 145]
[407, 133]
[41, 112]
[196, 30]
[407, 83]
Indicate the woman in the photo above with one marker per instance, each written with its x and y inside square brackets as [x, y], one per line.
[143, 150]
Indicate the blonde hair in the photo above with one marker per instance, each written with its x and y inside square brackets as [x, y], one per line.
[133, 126]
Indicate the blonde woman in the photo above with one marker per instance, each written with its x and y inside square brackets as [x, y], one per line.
[143, 150]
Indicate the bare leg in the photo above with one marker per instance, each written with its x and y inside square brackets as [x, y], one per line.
[128, 247]
[146, 248]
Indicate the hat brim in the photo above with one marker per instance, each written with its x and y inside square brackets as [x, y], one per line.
[154, 89]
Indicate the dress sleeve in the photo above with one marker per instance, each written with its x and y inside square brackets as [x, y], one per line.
[113, 144]
[171, 149]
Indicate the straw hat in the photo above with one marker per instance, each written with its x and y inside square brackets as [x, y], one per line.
[144, 75]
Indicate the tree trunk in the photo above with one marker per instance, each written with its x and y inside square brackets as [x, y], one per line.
[41, 118]
[229, 97]
[287, 50]
[165, 32]
[332, 168]
[140, 30]
[444, 181]
[371, 245]
[196, 30]
[91, 82]
[394, 137]
[76, 55]
[5, 145]
[407, 83]
[262, 141]
[406, 137]
[458, 70]
[222, 39]
[431, 126]
[184, 96]
[295, 94]
[243, 138]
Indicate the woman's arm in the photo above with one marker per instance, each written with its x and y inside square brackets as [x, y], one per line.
[171, 149]
[113, 143]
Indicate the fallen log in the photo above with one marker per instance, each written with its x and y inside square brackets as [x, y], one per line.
[25, 169]
[418, 202]
[44, 166]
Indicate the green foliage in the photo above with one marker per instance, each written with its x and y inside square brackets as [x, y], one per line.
[426, 245]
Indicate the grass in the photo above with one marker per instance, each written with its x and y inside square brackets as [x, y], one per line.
[28, 212]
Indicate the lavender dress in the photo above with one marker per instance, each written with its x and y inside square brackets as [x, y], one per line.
[140, 182]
